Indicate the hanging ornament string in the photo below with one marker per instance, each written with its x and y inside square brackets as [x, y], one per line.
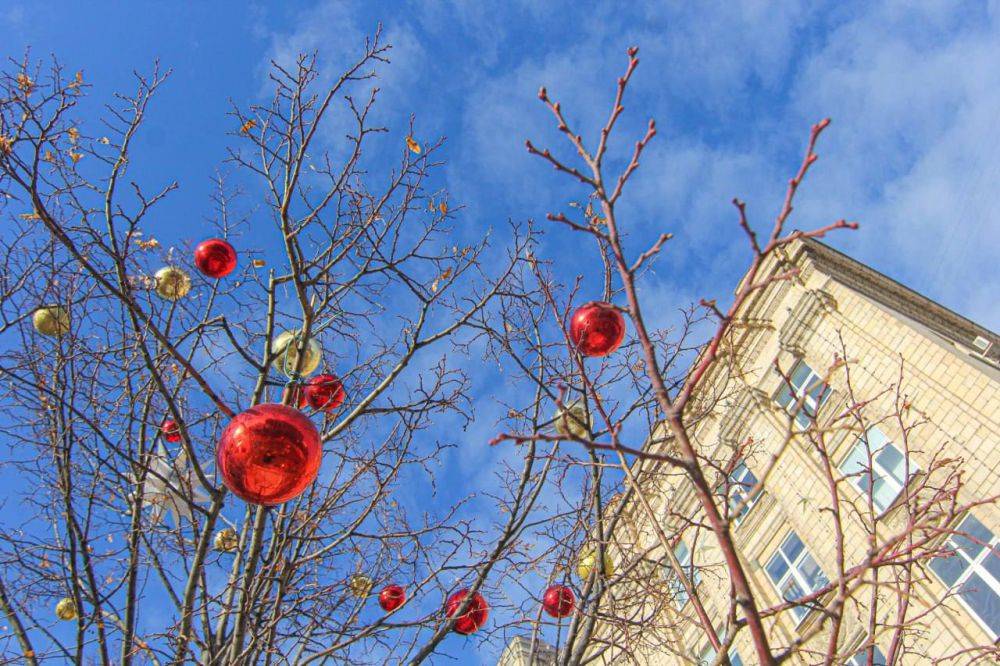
[292, 386]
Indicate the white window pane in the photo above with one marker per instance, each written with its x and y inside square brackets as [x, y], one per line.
[735, 659]
[682, 553]
[876, 439]
[974, 569]
[861, 658]
[800, 375]
[785, 396]
[776, 569]
[856, 462]
[972, 547]
[883, 493]
[679, 594]
[948, 569]
[819, 392]
[792, 546]
[885, 478]
[983, 600]
[992, 564]
[891, 460]
[791, 591]
[811, 573]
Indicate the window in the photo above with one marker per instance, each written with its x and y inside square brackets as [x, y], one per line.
[886, 477]
[805, 382]
[707, 657]
[861, 658]
[741, 482]
[680, 595]
[973, 572]
[794, 572]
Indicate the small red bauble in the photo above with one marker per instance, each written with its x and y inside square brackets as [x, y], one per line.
[475, 613]
[391, 597]
[323, 392]
[171, 431]
[558, 601]
[597, 328]
[215, 258]
[269, 454]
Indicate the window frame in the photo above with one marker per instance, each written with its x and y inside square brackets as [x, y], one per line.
[708, 655]
[674, 584]
[859, 658]
[738, 485]
[972, 565]
[877, 470]
[811, 406]
[792, 570]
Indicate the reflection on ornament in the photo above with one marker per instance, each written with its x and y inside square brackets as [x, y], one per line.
[391, 597]
[66, 609]
[573, 420]
[171, 486]
[172, 283]
[597, 328]
[269, 454]
[226, 540]
[558, 601]
[360, 585]
[170, 430]
[588, 560]
[323, 393]
[285, 347]
[51, 320]
[475, 613]
[215, 258]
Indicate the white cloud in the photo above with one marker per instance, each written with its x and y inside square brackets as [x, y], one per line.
[912, 153]
[915, 150]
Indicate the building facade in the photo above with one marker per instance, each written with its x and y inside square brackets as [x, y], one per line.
[520, 652]
[848, 419]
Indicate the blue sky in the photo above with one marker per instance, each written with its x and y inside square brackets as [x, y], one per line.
[913, 154]
[911, 87]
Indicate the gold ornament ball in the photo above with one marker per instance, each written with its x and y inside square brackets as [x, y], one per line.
[360, 585]
[172, 283]
[572, 420]
[66, 609]
[226, 540]
[286, 347]
[587, 561]
[52, 320]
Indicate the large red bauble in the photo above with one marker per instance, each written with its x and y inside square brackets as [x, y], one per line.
[597, 328]
[475, 613]
[558, 601]
[323, 392]
[269, 454]
[215, 258]
[170, 430]
[391, 597]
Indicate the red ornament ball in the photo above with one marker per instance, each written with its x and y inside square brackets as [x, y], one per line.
[597, 328]
[475, 613]
[215, 258]
[558, 601]
[323, 393]
[269, 454]
[391, 597]
[170, 430]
